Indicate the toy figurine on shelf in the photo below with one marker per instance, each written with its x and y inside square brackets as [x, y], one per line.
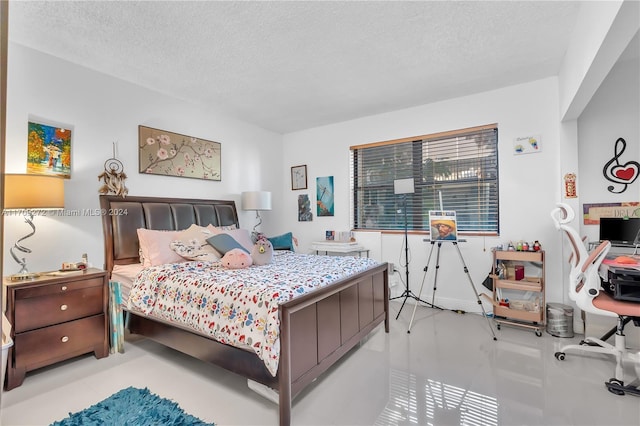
[511, 247]
[519, 246]
[536, 246]
[525, 246]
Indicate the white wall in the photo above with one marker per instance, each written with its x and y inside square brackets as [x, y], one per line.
[526, 197]
[611, 114]
[101, 110]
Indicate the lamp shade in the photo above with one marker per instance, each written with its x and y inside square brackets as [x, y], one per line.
[403, 186]
[256, 200]
[33, 192]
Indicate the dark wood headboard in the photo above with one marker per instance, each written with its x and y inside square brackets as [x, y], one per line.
[121, 218]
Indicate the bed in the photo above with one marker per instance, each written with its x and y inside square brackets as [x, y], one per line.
[315, 330]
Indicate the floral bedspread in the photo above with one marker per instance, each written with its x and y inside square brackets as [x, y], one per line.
[238, 307]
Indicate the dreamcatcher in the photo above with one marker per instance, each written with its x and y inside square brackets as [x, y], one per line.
[113, 177]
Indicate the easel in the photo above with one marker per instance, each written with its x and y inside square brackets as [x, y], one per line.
[404, 187]
[435, 281]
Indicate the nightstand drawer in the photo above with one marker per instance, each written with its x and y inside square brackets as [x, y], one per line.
[45, 289]
[54, 308]
[61, 341]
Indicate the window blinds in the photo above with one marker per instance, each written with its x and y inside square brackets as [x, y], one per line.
[459, 168]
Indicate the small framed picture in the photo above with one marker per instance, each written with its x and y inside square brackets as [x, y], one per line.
[444, 225]
[299, 177]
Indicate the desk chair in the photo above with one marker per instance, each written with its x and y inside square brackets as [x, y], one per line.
[586, 291]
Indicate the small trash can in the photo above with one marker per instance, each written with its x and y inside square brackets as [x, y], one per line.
[559, 320]
[6, 343]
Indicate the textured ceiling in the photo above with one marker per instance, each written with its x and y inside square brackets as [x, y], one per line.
[287, 66]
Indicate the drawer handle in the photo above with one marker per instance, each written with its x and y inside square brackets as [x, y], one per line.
[63, 307]
[65, 339]
[64, 288]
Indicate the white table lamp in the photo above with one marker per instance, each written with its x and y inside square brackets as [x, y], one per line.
[258, 201]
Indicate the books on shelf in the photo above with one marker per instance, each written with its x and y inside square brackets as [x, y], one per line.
[339, 236]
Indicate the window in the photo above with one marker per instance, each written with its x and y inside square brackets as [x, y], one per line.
[457, 169]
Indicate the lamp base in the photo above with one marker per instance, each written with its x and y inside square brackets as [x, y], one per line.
[21, 276]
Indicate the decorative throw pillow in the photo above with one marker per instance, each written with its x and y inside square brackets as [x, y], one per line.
[242, 236]
[224, 243]
[262, 252]
[155, 247]
[192, 244]
[283, 242]
[236, 258]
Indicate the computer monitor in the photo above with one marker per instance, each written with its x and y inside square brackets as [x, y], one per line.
[620, 231]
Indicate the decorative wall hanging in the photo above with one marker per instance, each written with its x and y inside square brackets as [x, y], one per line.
[593, 212]
[570, 190]
[527, 145]
[304, 208]
[48, 150]
[299, 177]
[173, 154]
[623, 174]
[113, 177]
[324, 195]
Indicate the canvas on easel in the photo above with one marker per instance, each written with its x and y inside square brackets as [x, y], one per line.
[443, 225]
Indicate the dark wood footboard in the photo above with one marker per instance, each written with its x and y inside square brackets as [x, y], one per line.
[316, 330]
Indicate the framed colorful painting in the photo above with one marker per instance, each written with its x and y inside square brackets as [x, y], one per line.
[324, 195]
[172, 154]
[48, 150]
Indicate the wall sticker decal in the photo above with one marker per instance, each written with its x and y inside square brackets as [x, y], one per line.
[527, 145]
[623, 174]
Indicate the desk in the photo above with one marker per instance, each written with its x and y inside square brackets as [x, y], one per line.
[611, 274]
[338, 247]
[594, 244]
[621, 280]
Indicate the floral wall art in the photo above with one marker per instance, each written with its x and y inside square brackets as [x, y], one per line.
[172, 154]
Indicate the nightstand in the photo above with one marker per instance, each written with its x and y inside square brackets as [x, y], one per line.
[54, 318]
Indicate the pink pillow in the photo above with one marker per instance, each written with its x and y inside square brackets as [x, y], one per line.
[155, 247]
[236, 259]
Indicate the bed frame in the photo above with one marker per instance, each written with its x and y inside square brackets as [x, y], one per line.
[316, 329]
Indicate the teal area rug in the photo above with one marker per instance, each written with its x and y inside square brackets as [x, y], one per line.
[132, 406]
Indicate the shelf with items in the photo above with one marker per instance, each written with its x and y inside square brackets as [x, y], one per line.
[512, 275]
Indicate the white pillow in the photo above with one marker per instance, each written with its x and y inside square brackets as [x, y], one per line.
[192, 244]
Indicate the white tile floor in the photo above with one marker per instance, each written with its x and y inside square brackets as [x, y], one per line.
[448, 371]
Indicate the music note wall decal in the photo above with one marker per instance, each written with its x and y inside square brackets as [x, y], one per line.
[623, 174]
